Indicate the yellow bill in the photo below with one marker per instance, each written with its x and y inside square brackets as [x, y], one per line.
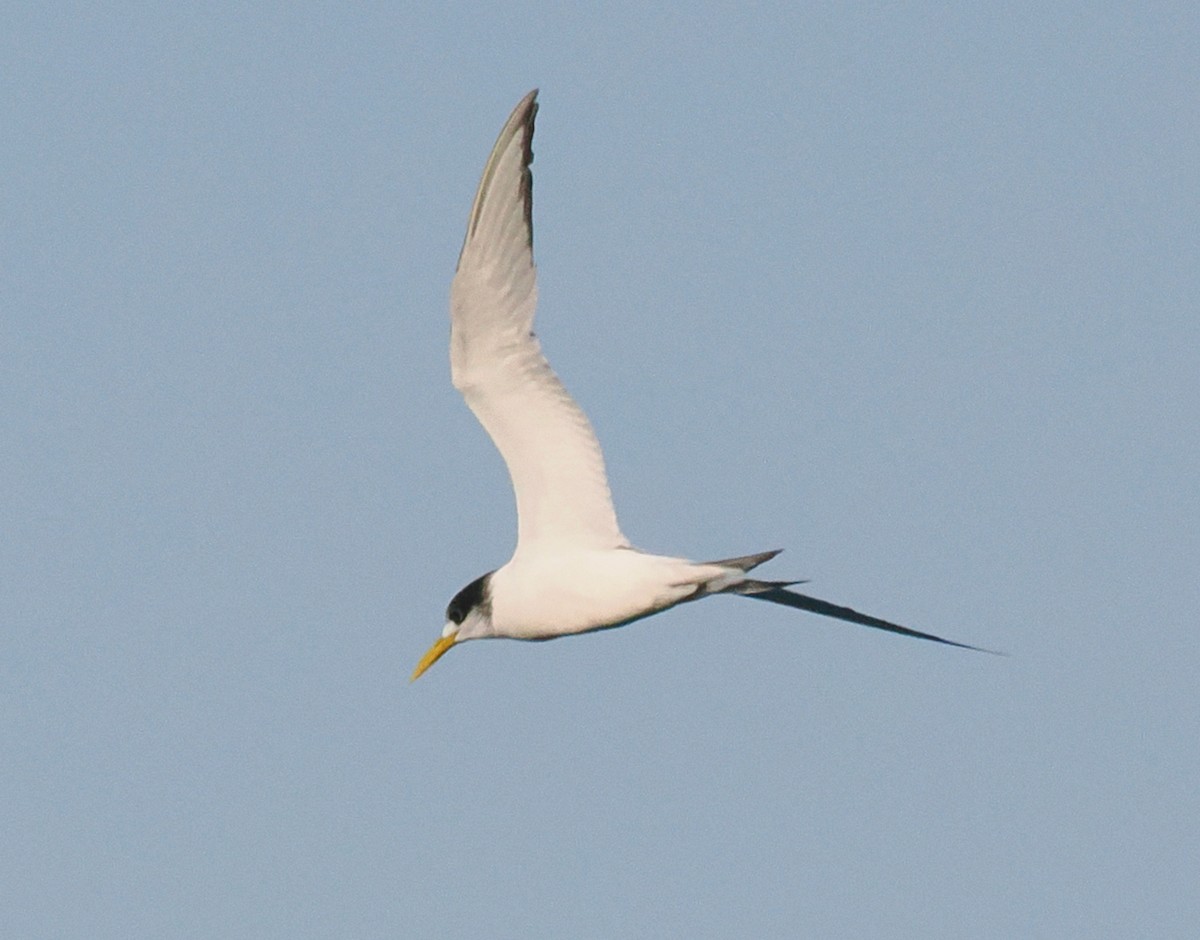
[436, 652]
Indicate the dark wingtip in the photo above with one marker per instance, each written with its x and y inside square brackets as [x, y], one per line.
[961, 646]
[527, 161]
[826, 609]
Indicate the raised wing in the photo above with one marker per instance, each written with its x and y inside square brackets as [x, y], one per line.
[546, 440]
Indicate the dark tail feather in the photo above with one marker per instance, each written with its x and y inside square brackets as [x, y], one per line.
[780, 595]
[752, 586]
[746, 562]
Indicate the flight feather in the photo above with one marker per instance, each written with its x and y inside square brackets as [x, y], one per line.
[496, 361]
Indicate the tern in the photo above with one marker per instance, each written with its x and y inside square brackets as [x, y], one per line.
[573, 571]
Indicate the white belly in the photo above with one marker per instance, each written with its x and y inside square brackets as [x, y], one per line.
[548, 593]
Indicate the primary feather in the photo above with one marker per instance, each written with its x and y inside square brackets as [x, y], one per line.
[496, 361]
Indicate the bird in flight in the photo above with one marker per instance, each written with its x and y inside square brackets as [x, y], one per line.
[572, 571]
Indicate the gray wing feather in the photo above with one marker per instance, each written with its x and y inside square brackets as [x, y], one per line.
[496, 361]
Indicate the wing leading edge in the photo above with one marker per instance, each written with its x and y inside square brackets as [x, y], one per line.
[496, 361]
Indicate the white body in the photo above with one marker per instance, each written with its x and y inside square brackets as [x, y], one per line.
[539, 595]
[573, 570]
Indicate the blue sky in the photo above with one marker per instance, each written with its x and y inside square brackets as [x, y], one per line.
[909, 290]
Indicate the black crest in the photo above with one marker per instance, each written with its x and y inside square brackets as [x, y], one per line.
[475, 594]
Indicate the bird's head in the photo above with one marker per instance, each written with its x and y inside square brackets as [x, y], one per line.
[468, 617]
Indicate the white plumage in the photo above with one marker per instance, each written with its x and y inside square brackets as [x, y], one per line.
[572, 571]
[496, 361]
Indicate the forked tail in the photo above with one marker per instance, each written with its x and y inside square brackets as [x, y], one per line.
[749, 585]
[777, 593]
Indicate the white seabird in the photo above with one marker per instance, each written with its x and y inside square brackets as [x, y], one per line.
[572, 571]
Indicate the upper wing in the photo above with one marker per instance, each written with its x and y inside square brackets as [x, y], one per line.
[552, 453]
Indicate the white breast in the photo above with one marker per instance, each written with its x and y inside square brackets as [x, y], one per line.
[544, 594]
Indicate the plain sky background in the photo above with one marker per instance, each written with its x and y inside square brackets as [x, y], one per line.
[911, 290]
